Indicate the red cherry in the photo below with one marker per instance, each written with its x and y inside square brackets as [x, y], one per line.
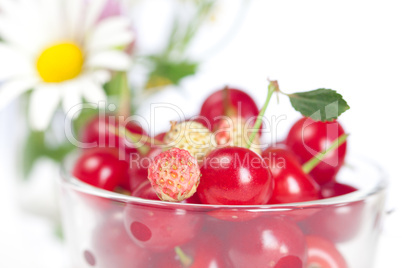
[265, 241]
[160, 228]
[336, 223]
[334, 189]
[160, 136]
[234, 215]
[213, 106]
[138, 171]
[323, 254]
[113, 247]
[234, 176]
[291, 183]
[307, 137]
[166, 260]
[289, 262]
[207, 251]
[101, 168]
[98, 131]
[202, 120]
[145, 190]
[204, 251]
[137, 176]
[194, 199]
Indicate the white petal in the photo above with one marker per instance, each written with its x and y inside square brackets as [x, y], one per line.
[54, 22]
[13, 63]
[44, 101]
[114, 40]
[94, 10]
[71, 94]
[8, 7]
[93, 91]
[111, 60]
[12, 89]
[24, 28]
[101, 76]
[107, 28]
[74, 10]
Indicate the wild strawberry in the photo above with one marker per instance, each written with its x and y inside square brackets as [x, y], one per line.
[191, 136]
[233, 131]
[174, 175]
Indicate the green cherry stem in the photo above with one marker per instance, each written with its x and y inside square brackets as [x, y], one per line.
[138, 137]
[124, 103]
[135, 138]
[315, 160]
[272, 87]
[184, 259]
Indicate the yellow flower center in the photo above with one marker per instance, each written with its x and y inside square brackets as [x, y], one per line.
[60, 62]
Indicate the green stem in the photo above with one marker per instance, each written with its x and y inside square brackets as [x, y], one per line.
[134, 138]
[125, 96]
[272, 87]
[184, 259]
[315, 160]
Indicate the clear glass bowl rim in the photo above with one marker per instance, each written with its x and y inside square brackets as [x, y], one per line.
[68, 180]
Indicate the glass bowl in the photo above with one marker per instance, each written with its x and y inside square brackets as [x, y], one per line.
[108, 230]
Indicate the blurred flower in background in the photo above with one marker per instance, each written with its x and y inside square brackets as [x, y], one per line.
[57, 54]
[62, 51]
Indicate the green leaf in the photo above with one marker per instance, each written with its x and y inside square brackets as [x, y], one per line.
[34, 148]
[321, 104]
[173, 71]
[113, 87]
[80, 122]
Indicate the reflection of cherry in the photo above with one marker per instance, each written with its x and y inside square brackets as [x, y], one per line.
[145, 190]
[113, 247]
[101, 168]
[233, 214]
[208, 252]
[323, 254]
[265, 241]
[160, 229]
[291, 183]
[336, 223]
[167, 259]
[339, 223]
[241, 102]
[289, 262]
[234, 176]
[308, 137]
[205, 251]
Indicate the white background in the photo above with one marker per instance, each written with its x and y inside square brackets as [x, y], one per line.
[354, 47]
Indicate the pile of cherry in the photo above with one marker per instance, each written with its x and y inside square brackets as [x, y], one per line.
[146, 235]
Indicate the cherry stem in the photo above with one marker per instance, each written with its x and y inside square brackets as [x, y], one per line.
[134, 138]
[315, 160]
[184, 259]
[272, 87]
[125, 96]
[228, 109]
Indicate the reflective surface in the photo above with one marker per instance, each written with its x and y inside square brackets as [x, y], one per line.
[105, 229]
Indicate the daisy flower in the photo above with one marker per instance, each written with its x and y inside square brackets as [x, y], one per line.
[61, 50]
